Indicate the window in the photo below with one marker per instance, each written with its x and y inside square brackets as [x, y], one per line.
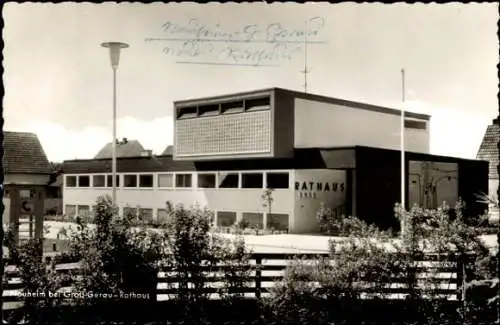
[228, 180]
[233, 107]
[70, 210]
[70, 181]
[412, 124]
[83, 210]
[254, 219]
[208, 110]
[183, 180]
[146, 215]
[251, 180]
[277, 180]
[162, 215]
[99, 180]
[257, 104]
[206, 180]
[130, 180]
[129, 212]
[146, 180]
[277, 221]
[187, 112]
[83, 181]
[166, 180]
[226, 218]
[110, 180]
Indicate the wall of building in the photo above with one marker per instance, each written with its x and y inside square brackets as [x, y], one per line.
[313, 188]
[337, 126]
[239, 200]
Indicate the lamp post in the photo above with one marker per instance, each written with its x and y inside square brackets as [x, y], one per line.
[405, 224]
[114, 51]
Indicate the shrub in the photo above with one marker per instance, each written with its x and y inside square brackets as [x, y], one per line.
[295, 299]
[114, 258]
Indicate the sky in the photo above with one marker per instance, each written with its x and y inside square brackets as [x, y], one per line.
[58, 79]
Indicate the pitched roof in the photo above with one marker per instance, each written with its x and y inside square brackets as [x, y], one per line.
[127, 148]
[23, 154]
[489, 148]
[169, 151]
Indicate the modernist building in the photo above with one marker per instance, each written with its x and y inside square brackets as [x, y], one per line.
[309, 149]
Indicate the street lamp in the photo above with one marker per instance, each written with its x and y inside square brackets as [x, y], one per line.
[114, 51]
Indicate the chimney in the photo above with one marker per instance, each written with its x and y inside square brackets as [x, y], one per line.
[146, 153]
[125, 140]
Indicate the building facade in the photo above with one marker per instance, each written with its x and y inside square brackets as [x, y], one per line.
[305, 150]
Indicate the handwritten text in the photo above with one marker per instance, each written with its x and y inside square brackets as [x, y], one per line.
[253, 44]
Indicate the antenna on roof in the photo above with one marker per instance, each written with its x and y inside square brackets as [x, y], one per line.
[305, 71]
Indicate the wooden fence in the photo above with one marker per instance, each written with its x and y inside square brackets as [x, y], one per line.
[265, 269]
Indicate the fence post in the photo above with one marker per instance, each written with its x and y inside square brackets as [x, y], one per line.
[258, 276]
[463, 277]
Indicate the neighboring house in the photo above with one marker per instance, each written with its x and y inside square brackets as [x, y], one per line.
[489, 151]
[124, 148]
[311, 150]
[27, 173]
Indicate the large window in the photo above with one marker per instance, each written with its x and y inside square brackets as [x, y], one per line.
[146, 180]
[277, 221]
[162, 215]
[277, 180]
[251, 180]
[226, 218]
[228, 180]
[130, 180]
[183, 180]
[70, 210]
[83, 181]
[109, 180]
[70, 181]
[254, 219]
[99, 180]
[146, 215]
[129, 212]
[165, 180]
[206, 180]
[83, 211]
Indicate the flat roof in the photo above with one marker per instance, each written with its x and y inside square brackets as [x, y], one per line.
[301, 95]
[306, 158]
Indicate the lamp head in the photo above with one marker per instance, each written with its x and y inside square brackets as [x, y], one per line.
[114, 52]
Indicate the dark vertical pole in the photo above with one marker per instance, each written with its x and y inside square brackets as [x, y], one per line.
[258, 276]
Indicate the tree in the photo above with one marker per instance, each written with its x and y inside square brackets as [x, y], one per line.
[267, 201]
